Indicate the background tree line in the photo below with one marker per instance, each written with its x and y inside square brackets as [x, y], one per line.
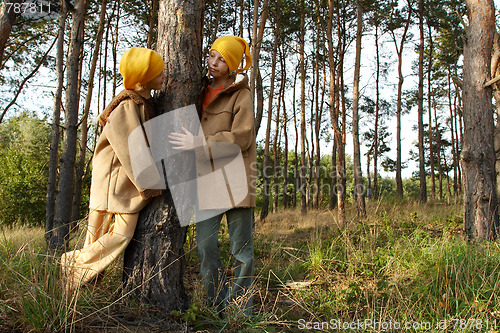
[325, 74]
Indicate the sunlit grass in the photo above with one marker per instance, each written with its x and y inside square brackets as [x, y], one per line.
[402, 263]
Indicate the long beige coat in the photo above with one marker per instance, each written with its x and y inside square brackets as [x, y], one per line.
[114, 188]
[229, 138]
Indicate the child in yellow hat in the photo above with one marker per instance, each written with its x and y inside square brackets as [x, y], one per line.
[114, 191]
[227, 120]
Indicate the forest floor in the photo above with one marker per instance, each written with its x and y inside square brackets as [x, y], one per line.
[403, 267]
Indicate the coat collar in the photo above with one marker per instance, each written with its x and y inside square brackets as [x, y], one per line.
[241, 81]
[125, 94]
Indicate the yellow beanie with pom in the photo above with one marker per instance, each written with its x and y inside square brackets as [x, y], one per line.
[232, 49]
[139, 65]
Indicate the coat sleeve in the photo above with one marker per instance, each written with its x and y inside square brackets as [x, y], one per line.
[242, 133]
[124, 120]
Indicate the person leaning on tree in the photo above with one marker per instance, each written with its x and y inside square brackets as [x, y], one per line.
[114, 190]
[227, 123]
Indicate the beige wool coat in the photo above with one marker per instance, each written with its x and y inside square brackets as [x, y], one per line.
[114, 187]
[226, 157]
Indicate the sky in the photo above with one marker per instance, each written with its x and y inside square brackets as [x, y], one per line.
[38, 96]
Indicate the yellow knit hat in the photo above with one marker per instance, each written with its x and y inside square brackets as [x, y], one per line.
[139, 66]
[232, 49]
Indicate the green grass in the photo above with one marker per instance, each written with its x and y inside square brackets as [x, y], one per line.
[404, 263]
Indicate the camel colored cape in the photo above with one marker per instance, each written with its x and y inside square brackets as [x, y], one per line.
[114, 188]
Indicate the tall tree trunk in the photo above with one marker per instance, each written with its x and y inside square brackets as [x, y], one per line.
[296, 149]
[80, 167]
[285, 137]
[341, 113]
[495, 72]
[421, 154]
[303, 198]
[438, 152]
[399, 102]
[218, 13]
[7, 19]
[58, 238]
[453, 139]
[257, 36]
[153, 262]
[267, 165]
[359, 190]
[334, 118]
[377, 112]
[153, 22]
[478, 154]
[56, 116]
[429, 109]
[115, 47]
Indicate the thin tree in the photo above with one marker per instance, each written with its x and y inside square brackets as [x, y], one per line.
[7, 19]
[478, 154]
[266, 165]
[56, 116]
[334, 117]
[421, 154]
[152, 22]
[429, 110]
[359, 191]
[58, 235]
[81, 165]
[256, 78]
[399, 52]
[303, 198]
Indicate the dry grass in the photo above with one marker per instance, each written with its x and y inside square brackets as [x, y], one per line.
[403, 263]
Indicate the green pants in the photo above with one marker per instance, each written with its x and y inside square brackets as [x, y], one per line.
[240, 227]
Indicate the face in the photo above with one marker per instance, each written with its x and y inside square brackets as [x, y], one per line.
[157, 82]
[217, 65]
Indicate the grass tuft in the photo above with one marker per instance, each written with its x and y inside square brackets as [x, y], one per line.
[404, 263]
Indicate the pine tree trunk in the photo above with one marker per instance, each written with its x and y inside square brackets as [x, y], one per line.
[62, 216]
[80, 168]
[7, 20]
[267, 165]
[429, 109]
[153, 22]
[56, 116]
[359, 191]
[377, 112]
[399, 102]
[303, 166]
[453, 140]
[421, 154]
[153, 262]
[478, 155]
[296, 148]
[495, 61]
[256, 78]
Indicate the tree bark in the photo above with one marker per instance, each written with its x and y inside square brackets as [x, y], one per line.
[153, 263]
[359, 191]
[429, 109]
[478, 155]
[7, 19]
[153, 22]
[303, 166]
[421, 154]
[56, 116]
[399, 103]
[256, 78]
[62, 216]
[80, 167]
[266, 165]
